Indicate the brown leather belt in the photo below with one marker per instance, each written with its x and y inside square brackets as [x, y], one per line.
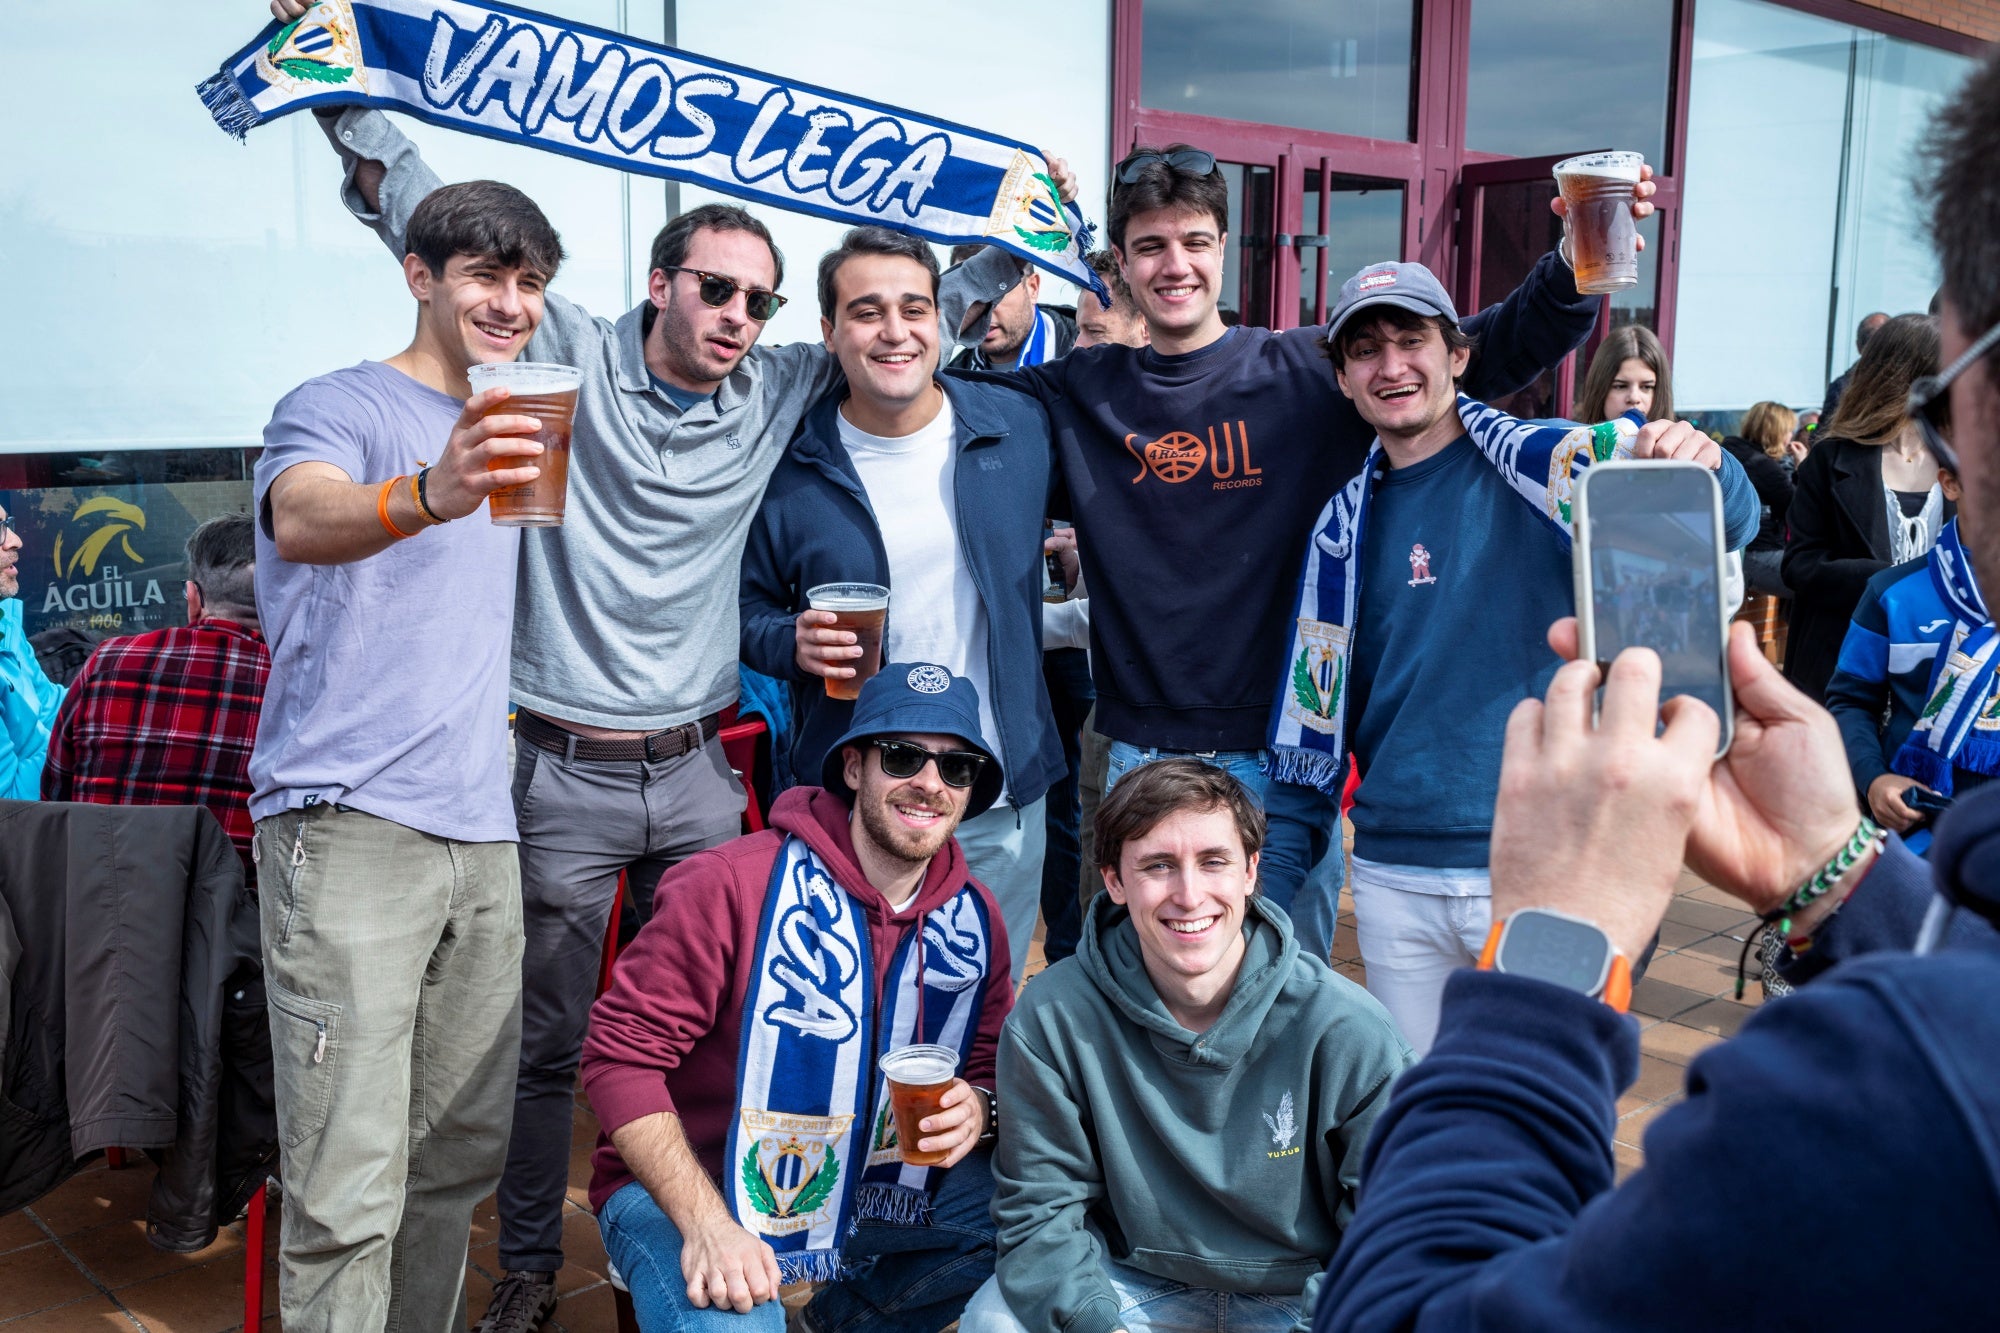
[669, 744]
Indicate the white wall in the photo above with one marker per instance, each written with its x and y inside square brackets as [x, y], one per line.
[164, 286]
[1034, 70]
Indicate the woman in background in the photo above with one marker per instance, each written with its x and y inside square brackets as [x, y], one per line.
[1865, 498]
[1762, 445]
[1629, 371]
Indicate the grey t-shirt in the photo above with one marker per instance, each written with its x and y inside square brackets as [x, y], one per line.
[388, 687]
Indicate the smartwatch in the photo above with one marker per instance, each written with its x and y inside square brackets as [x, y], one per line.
[1561, 949]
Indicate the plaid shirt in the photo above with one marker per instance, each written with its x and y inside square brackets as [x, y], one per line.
[165, 718]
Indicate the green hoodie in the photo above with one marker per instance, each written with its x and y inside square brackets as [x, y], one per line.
[1225, 1160]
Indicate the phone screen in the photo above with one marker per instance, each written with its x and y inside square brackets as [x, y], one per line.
[1654, 575]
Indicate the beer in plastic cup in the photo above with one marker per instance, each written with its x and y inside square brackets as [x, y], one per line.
[860, 608]
[1603, 240]
[918, 1076]
[546, 392]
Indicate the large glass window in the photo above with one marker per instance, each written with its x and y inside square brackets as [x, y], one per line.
[165, 285]
[1797, 210]
[1563, 76]
[1340, 68]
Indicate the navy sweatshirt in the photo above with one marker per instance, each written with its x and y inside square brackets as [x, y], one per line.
[1194, 480]
[1835, 1166]
[1439, 664]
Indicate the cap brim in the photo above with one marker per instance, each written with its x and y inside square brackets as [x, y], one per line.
[1416, 305]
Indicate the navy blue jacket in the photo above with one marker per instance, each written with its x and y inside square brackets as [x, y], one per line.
[1867, 1107]
[816, 526]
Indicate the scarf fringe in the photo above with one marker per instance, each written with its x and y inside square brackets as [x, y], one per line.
[1919, 761]
[809, 1266]
[233, 112]
[896, 1204]
[1307, 768]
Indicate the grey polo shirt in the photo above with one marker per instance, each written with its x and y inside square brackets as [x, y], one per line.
[626, 614]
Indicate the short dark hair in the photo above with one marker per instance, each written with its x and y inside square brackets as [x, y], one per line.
[1409, 321]
[486, 220]
[670, 246]
[1166, 787]
[872, 241]
[1861, 330]
[222, 559]
[1162, 186]
[1964, 199]
[1105, 265]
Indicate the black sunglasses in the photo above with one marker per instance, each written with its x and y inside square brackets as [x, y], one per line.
[1191, 160]
[716, 290]
[957, 768]
[1929, 403]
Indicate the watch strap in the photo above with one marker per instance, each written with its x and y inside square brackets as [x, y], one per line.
[1617, 989]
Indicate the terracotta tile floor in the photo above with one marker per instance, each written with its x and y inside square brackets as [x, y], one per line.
[77, 1261]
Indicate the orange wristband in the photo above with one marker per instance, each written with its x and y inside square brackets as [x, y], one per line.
[382, 510]
[417, 499]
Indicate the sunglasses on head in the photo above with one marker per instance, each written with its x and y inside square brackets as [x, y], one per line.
[716, 290]
[1929, 403]
[1193, 161]
[957, 768]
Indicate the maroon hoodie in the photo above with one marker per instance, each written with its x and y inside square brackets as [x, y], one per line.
[666, 1036]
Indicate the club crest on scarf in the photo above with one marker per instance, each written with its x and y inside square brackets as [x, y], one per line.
[1577, 451]
[1318, 675]
[315, 51]
[789, 1171]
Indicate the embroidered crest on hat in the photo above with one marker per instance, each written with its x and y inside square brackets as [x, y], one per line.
[928, 679]
[1381, 277]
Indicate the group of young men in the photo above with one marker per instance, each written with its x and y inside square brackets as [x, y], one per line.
[1186, 1101]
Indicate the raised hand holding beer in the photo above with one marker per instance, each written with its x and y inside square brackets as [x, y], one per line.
[461, 478]
[1600, 217]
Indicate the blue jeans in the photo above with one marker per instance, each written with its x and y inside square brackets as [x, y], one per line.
[1246, 766]
[1304, 865]
[1148, 1304]
[900, 1279]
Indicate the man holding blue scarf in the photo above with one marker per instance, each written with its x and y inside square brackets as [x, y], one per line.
[1453, 537]
[29, 700]
[733, 1063]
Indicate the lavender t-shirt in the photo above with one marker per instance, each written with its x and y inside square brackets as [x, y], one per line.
[388, 687]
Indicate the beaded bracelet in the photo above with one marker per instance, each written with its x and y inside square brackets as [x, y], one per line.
[1868, 836]
[420, 487]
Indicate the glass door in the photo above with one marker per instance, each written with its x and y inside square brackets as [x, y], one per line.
[1350, 222]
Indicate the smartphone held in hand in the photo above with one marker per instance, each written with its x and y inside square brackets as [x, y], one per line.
[1651, 573]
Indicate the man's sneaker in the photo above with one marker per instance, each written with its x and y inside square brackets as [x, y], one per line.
[522, 1303]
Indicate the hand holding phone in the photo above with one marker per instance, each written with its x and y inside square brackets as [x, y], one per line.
[1651, 573]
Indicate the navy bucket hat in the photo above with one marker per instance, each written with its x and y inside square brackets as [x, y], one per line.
[917, 698]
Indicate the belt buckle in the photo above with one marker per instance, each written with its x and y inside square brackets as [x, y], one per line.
[652, 758]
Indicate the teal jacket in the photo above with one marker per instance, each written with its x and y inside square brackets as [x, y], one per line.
[1226, 1160]
[28, 704]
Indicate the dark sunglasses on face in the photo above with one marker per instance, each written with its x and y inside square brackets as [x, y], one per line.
[1930, 400]
[957, 768]
[1193, 161]
[716, 290]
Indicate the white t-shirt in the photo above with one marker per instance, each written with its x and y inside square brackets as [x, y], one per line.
[935, 614]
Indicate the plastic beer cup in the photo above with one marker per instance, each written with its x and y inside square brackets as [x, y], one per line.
[546, 392]
[1598, 189]
[861, 608]
[918, 1076]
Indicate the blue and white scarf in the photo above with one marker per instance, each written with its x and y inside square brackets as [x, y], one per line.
[1960, 725]
[813, 1148]
[1540, 461]
[1037, 347]
[527, 78]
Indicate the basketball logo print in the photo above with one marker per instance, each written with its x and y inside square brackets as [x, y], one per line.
[1176, 456]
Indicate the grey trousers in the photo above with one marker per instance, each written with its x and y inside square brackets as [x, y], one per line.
[392, 964]
[582, 822]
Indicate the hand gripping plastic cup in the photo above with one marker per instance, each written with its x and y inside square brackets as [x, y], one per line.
[546, 392]
[1598, 189]
[918, 1076]
[860, 608]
